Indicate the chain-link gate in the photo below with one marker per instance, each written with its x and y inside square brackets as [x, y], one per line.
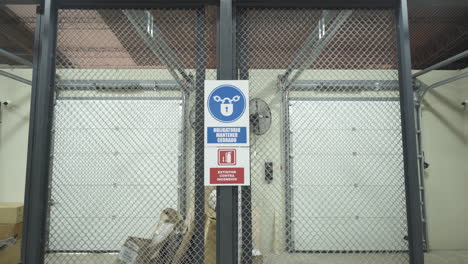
[125, 133]
[126, 179]
[330, 79]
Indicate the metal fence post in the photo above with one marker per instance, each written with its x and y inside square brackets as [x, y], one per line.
[409, 137]
[242, 57]
[227, 197]
[37, 178]
[199, 232]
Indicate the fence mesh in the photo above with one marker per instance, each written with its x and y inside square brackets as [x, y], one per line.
[123, 185]
[127, 166]
[330, 80]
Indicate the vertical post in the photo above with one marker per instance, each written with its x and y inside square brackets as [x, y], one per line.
[246, 191]
[227, 196]
[37, 175]
[199, 232]
[409, 137]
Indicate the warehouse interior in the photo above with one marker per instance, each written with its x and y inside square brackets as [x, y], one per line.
[126, 120]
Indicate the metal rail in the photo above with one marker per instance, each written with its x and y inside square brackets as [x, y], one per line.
[14, 57]
[227, 232]
[421, 167]
[437, 84]
[410, 152]
[36, 205]
[321, 44]
[15, 77]
[442, 63]
[156, 42]
[349, 85]
[117, 85]
[309, 43]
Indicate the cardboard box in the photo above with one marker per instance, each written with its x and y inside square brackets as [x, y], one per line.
[133, 251]
[11, 254]
[139, 251]
[11, 213]
[11, 230]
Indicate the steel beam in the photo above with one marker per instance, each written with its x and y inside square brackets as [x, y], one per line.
[14, 57]
[242, 58]
[126, 4]
[247, 3]
[413, 205]
[346, 85]
[15, 77]
[19, 2]
[308, 44]
[424, 90]
[437, 3]
[227, 196]
[14, 29]
[38, 164]
[199, 230]
[318, 3]
[442, 63]
[117, 84]
[319, 46]
[156, 41]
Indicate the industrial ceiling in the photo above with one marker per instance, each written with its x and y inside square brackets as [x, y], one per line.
[436, 32]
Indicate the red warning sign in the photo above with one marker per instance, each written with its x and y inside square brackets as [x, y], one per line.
[226, 157]
[226, 175]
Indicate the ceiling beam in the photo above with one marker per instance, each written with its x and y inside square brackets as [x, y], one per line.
[16, 33]
[19, 2]
[188, 3]
[454, 41]
[117, 22]
[21, 37]
[437, 3]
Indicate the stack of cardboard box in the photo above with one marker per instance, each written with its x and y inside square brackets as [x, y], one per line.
[11, 232]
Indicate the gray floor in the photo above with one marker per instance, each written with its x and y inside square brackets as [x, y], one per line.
[433, 257]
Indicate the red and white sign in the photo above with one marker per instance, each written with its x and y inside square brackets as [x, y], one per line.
[227, 166]
[227, 157]
[223, 176]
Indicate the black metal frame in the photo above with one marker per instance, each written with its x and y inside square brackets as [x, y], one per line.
[227, 196]
[36, 202]
[251, 3]
[42, 99]
[242, 58]
[409, 137]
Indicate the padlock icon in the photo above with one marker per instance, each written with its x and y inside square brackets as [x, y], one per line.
[226, 106]
[227, 109]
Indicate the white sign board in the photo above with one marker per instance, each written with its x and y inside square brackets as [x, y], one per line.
[227, 151]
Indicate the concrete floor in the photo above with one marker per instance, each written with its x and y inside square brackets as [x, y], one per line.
[433, 257]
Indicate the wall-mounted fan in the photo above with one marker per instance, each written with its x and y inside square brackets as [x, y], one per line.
[260, 116]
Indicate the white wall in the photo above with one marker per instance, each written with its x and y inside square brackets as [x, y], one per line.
[14, 136]
[445, 136]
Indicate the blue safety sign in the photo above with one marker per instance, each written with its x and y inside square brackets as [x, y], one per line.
[226, 126]
[227, 135]
[226, 103]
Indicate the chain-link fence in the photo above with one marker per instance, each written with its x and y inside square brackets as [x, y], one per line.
[330, 81]
[327, 183]
[124, 188]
